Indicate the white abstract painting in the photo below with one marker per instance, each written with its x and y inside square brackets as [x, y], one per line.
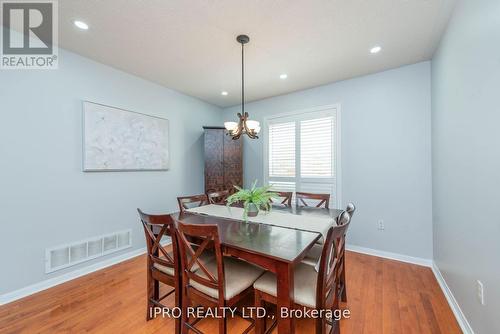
[116, 139]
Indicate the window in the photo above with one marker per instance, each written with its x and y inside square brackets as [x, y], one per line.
[302, 152]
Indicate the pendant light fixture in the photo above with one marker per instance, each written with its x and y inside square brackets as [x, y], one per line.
[244, 125]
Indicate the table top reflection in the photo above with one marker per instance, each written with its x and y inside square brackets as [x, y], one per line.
[307, 210]
[277, 242]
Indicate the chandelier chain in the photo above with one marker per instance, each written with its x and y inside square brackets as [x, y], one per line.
[242, 79]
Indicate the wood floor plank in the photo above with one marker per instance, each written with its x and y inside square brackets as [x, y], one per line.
[384, 296]
[391, 310]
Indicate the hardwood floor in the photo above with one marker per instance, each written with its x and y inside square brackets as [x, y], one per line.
[384, 296]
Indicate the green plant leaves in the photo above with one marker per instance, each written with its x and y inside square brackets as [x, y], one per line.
[260, 196]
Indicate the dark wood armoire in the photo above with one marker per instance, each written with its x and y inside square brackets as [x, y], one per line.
[223, 160]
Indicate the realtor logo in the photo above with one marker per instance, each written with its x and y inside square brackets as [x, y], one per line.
[29, 35]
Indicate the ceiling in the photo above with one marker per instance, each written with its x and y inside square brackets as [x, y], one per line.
[190, 45]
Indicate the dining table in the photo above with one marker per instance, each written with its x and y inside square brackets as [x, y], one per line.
[274, 247]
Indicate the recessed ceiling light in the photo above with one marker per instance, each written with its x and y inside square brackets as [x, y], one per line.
[283, 76]
[82, 25]
[375, 49]
[224, 93]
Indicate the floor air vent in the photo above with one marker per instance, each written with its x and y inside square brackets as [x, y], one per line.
[80, 251]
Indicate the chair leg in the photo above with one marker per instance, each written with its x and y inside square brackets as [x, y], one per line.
[150, 294]
[320, 324]
[222, 326]
[184, 317]
[343, 296]
[260, 323]
[336, 329]
[177, 320]
[156, 290]
[336, 322]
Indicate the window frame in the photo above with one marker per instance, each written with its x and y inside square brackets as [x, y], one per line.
[299, 115]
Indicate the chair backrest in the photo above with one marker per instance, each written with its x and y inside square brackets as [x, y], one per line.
[350, 208]
[187, 202]
[344, 217]
[285, 198]
[155, 228]
[190, 257]
[301, 197]
[218, 197]
[330, 266]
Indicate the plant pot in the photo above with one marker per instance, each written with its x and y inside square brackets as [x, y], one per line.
[252, 210]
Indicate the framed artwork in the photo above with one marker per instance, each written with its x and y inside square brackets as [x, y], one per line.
[115, 139]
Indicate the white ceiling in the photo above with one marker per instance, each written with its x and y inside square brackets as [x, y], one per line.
[190, 45]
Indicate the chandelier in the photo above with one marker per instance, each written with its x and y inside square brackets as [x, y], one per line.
[244, 125]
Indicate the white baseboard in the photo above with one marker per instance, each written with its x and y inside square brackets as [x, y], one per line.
[37, 287]
[455, 307]
[388, 255]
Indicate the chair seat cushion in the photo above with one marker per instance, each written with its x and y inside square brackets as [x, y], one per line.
[164, 269]
[313, 255]
[206, 257]
[239, 275]
[305, 280]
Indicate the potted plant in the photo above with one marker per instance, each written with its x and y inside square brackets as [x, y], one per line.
[253, 199]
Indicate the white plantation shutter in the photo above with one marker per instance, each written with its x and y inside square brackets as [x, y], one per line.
[316, 147]
[301, 152]
[282, 149]
[283, 186]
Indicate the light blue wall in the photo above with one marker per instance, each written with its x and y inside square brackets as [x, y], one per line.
[386, 153]
[466, 159]
[46, 199]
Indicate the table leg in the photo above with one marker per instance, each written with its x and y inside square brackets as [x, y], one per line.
[285, 297]
[259, 322]
[178, 291]
[178, 299]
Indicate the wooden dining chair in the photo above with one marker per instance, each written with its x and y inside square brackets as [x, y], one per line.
[162, 264]
[312, 289]
[314, 254]
[343, 282]
[217, 284]
[302, 198]
[187, 202]
[285, 198]
[218, 197]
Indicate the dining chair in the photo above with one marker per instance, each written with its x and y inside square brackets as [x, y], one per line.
[285, 198]
[218, 284]
[312, 289]
[162, 264]
[187, 202]
[302, 198]
[314, 254]
[218, 197]
[343, 283]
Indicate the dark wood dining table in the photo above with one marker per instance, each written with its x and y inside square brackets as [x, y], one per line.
[275, 248]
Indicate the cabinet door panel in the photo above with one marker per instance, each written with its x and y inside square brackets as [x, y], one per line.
[214, 160]
[233, 164]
